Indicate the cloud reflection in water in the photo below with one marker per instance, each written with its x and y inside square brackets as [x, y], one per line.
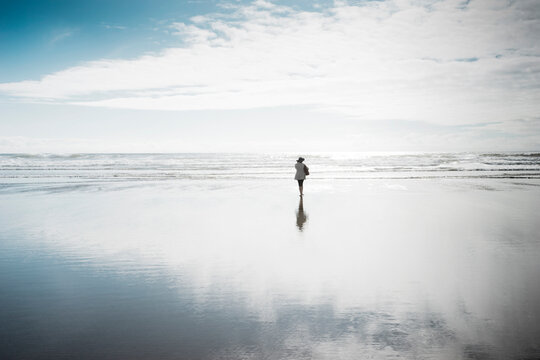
[420, 271]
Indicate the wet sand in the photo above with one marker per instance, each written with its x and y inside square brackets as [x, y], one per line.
[430, 268]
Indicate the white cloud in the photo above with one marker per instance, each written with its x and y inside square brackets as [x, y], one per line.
[438, 61]
[61, 35]
[114, 27]
[23, 144]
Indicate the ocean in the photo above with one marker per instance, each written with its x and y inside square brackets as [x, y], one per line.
[215, 256]
[19, 172]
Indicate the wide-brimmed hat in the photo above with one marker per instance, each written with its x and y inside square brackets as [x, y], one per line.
[300, 159]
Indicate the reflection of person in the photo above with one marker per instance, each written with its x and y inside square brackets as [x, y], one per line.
[301, 172]
[301, 216]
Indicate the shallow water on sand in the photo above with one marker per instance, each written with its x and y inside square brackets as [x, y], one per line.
[442, 268]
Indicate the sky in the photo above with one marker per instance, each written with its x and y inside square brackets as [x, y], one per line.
[272, 76]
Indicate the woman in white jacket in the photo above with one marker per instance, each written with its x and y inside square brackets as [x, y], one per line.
[301, 172]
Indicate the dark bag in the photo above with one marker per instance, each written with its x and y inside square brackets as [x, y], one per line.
[306, 170]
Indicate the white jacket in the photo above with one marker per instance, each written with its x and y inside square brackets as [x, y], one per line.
[300, 175]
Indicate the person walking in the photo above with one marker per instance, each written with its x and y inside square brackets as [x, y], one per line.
[301, 171]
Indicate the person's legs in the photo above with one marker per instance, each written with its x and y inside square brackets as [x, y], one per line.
[301, 187]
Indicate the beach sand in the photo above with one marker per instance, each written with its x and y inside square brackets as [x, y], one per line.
[217, 269]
